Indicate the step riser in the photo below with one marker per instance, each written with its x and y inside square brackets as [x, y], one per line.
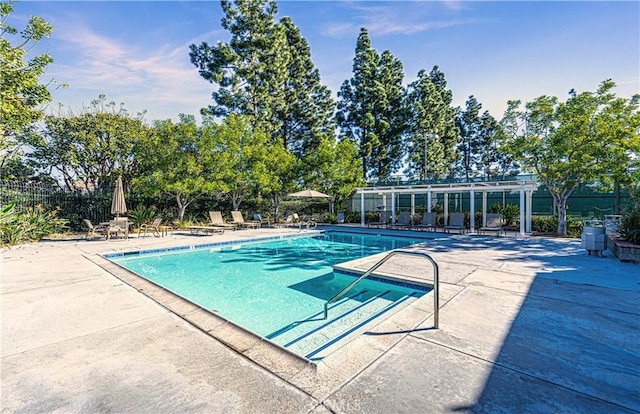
[346, 320]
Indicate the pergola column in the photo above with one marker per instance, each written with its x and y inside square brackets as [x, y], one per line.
[472, 213]
[393, 207]
[413, 204]
[522, 211]
[529, 203]
[362, 209]
[446, 208]
[429, 201]
[484, 209]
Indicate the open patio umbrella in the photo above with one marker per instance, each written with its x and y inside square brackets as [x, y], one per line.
[309, 194]
[118, 205]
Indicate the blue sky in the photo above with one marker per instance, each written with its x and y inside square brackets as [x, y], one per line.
[136, 53]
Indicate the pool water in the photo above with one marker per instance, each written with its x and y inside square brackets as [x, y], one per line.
[278, 289]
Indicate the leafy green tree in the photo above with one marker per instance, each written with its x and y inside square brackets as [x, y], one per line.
[280, 173]
[591, 136]
[432, 135]
[88, 151]
[244, 151]
[22, 95]
[335, 170]
[182, 160]
[370, 109]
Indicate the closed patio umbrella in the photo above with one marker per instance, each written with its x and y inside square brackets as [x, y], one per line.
[118, 205]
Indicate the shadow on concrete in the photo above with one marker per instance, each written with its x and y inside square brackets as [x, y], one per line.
[574, 342]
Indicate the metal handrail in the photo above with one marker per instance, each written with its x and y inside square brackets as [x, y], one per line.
[436, 277]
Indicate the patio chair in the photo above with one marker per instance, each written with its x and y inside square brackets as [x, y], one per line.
[261, 220]
[239, 221]
[383, 220]
[428, 221]
[404, 221]
[456, 222]
[153, 228]
[217, 220]
[118, 228]
[494, 223]
[99, 230]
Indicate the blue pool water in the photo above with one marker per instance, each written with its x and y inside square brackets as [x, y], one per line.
[277, 289]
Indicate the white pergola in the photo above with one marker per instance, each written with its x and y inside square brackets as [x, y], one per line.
[525, 187]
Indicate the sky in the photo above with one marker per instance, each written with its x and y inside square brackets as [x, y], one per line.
[137, 52]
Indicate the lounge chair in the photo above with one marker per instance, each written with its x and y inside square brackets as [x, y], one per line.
[99, 230]
[456, 222]
[494, 223]
[404, 221]
[292, 220]
[238, 220]
[206, 230]
[428, 221]
[218, 221]
[383, 220]
[153, 228]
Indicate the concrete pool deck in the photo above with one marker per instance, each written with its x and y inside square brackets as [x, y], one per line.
[526, 325]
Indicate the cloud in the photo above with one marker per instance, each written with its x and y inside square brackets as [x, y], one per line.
[153, 77]
[389, 19]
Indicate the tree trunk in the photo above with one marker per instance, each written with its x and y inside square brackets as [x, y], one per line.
[236, 199]
[276, 207]
[182, 206]
[561, 203]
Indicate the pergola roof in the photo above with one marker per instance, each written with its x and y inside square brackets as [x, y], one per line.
[481, 186]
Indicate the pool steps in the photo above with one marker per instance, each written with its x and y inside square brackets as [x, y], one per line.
[347, 318]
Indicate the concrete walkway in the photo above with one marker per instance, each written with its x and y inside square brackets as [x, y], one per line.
[526, 325]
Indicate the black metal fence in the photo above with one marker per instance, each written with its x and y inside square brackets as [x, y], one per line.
[76, 206]
[72, 206]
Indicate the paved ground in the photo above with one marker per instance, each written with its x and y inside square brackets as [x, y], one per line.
[526, 325]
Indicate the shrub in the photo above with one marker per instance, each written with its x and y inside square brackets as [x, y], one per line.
[549, 224]
[630, 223]
[142, 215]
[328, 218]
[510, 212]
[32, 224]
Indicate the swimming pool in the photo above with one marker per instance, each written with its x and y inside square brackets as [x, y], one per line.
[277, 289]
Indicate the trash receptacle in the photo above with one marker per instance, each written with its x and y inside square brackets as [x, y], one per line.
[594, 239]
[340, 217]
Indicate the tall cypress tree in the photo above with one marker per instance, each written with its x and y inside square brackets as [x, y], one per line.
[250, 69]
[432, 134]
[470, 146]
[370, 110]
[308, 108]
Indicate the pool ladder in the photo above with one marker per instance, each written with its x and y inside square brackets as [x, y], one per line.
[436, 305]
